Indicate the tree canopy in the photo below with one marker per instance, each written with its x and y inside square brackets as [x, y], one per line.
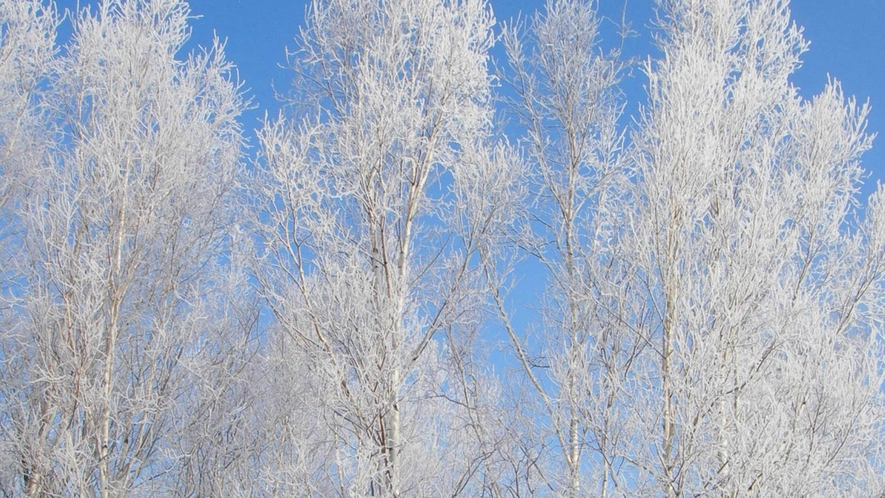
[329, 310]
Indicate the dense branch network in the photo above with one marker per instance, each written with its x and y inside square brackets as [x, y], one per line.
[334, 316]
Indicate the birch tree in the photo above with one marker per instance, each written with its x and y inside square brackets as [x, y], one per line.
[123, 230]
[763, 284]
[380, 191]
[27, 44]
[714, 318]
[567, 99]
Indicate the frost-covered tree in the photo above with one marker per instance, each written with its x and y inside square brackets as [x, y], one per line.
[111, 319]
[567, 99]
[713, 320]
[317, 322]
[759, 284]
[379, 193]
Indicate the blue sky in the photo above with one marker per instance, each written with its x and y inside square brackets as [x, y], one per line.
[847, 42]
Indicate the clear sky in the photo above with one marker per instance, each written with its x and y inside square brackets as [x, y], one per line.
[847, 42]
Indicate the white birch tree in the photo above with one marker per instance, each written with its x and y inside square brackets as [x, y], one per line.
[379, 194]
[714, 321]
[763, 376]
[122, 233]
[567, 99]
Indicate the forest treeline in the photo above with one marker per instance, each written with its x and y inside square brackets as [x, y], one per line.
[332, 315]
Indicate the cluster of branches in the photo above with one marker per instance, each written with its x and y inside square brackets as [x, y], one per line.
[320, 320]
